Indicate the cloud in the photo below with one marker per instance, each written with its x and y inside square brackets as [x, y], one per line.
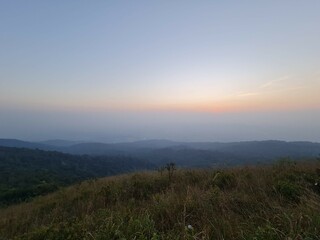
[275, 81]
[266, 87]
[248, 94]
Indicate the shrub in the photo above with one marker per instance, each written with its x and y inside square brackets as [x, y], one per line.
[288, 190]
[224, 180]
[267, 232]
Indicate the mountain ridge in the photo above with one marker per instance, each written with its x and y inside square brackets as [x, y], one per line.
[264, 150]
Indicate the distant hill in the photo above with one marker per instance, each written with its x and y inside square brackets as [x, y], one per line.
[60, 143]
[25, 173]
[187, 154]
[24, 144]
[119, 148]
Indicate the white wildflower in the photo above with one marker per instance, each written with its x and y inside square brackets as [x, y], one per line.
[190, 227]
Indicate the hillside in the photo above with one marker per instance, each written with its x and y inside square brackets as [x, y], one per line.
[23, 144]
[281, 201]
[184, 154]
[25, 173]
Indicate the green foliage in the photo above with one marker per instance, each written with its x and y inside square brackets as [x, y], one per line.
[224, 180]
[128, 227]
[288, 190]
[140, 189]
[267, 233]
[62, 231]
[313, 180]
[26, 173]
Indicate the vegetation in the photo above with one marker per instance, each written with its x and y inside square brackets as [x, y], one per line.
[26, 173]
[184, 154]
[281, 201]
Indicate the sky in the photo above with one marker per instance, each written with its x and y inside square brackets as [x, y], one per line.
[181, 70]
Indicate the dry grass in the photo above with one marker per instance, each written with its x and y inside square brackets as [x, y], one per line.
[272, 202]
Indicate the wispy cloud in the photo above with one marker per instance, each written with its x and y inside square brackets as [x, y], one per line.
[275, 82]
[248, 94]
[271, 86]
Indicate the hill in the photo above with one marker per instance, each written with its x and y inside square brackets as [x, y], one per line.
[266, 202]
[60, 142]
[24, 144]
[185, 154]
[25, 173]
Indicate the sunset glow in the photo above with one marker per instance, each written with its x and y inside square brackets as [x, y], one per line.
[178, 57]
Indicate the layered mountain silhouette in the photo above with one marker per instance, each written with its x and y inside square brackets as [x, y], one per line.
[185, 154]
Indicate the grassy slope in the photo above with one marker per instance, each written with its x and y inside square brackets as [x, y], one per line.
[275, 202]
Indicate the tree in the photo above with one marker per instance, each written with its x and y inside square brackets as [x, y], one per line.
[170, 168]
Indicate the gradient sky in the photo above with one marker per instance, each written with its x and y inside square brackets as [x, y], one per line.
[181, 70]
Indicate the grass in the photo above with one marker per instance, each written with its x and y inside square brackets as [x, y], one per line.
[281, 201]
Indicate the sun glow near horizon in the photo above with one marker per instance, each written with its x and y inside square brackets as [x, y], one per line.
[282, 93]
[179, 68]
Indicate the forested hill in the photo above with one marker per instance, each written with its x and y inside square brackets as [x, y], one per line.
[184, 154]
[25, 173]
[228, 152]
